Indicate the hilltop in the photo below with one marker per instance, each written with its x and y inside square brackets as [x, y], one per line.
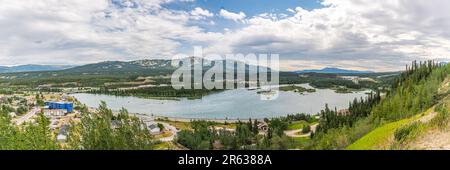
[154, 67]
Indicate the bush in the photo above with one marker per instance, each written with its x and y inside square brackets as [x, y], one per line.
[405, 132]
[306, 129]
[441, 119]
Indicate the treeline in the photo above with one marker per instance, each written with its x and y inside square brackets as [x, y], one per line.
[29, 136]
[246, 136]
[165, 91]
[299, 117]
[415, 91]
[99, 130]
[326, 80]
[357, 109]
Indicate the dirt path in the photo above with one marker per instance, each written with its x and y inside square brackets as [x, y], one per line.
[433, 140]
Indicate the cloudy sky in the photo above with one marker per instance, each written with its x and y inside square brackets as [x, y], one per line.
[379, 35]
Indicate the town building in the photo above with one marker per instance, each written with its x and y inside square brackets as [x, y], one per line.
[68, 106]
[154, 129]
[263, 126]
[57, 108]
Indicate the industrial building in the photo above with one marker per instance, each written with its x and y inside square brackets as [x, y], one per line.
[68, 106]
[57, 108]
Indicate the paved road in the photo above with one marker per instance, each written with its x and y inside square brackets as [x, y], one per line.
[172, 129]
[27, 116]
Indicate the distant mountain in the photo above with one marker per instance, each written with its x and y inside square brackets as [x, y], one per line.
[334, 71]
[3, 69]
[144, 67]
[155, 67]
[111, 67]
[32, 67]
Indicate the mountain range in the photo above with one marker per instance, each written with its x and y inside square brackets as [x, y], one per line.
[138, 67]
[153, 67]
[332, 70]
[33, 67]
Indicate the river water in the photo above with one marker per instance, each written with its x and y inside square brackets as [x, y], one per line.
[229, 104]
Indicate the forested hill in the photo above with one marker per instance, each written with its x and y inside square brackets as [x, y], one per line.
[422, 86]
[108, 68]
[155, 67]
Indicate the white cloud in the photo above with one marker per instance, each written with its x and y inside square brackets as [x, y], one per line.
[83, 31]
[361, 34]
[290, 10]
[199, 13]
[232, 16]
[379, 35]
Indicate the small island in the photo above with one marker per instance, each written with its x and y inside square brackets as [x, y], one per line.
[298, 89]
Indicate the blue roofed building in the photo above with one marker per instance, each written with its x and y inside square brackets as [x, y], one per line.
[68, 106]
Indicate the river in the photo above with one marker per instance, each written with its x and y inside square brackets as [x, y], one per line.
[229, 104]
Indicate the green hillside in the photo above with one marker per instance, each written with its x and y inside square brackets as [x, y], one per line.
[373, 123]
[403, 111]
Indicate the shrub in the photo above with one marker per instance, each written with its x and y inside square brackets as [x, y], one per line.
[405, 132]
[306, 129]
[441, 119]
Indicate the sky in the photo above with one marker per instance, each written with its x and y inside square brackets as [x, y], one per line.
[382, 35]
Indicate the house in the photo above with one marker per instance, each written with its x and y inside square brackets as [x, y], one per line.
[154, 129]
[57, 108]
[54, 112]
[263, 126]
[343, 112]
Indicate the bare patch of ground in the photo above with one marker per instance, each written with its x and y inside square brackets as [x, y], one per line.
[432, 140]
[427, 117]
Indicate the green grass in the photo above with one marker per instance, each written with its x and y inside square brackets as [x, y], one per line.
[166, 146]
[301, 142]
[381, 135]
[297, 125]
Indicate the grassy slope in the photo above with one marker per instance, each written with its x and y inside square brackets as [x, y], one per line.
[380, 137]
[297, 125]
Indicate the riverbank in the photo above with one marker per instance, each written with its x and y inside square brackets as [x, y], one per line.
[187, 120]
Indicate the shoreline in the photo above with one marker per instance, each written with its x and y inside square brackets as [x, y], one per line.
[187, 120]
[151, 117]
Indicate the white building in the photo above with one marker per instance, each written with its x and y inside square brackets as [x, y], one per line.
[54, 112]
[154, 129]
[12, 114]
